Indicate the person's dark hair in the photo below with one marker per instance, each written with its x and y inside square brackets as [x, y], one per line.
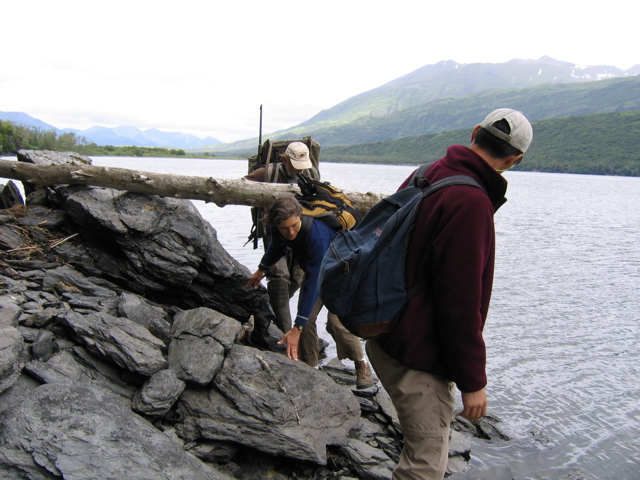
[494, 145]
[282, 209]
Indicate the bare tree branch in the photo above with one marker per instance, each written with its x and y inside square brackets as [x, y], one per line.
[219, 191]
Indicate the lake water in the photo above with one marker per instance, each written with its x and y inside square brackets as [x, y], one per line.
[562, 333]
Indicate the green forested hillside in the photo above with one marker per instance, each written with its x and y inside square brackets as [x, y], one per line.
[543, 102]
[453, 113]
[605, 144]
[448, 79]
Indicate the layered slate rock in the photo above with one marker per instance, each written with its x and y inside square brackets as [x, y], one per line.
[159, 393]
[158, 247]
[200, 338]
[88, 433]
[52, 157]
[9, 310]
[370, 462]
[124, 342]
[13, 356]
[150, 316]
[269, 402]
[10, 196]
[76, 366]
[48, 157]
[163, 249]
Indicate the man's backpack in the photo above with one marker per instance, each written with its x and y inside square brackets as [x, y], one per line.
[327, 203]
[362, 277]
[269, 153]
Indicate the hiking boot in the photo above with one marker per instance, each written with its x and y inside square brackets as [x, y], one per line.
[364, 379]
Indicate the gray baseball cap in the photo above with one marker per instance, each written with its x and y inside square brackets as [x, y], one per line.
[521, 130]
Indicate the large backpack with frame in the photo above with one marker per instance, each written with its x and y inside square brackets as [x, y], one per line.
[268, 156]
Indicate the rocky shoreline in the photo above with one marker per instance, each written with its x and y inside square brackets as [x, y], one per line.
[130, 348]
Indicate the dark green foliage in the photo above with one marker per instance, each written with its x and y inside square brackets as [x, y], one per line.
[14, 137]
[605, 144]
[602, 144]
[130, 151]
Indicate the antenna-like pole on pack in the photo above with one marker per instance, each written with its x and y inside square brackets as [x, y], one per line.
[256, 219]
[260, 134]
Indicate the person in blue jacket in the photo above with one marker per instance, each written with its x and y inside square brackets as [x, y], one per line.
[309, 239]
[283, 279]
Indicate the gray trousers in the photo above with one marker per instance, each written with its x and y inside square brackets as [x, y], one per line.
[347, 345]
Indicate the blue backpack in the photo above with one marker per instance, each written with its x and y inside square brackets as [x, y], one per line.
[362, 277]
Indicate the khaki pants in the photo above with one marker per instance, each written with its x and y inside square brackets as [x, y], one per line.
[425, 405]
[347, 344]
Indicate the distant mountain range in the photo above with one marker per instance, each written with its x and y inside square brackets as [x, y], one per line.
[450, 79]
[449, 96]
[435, 98]
[117, 136]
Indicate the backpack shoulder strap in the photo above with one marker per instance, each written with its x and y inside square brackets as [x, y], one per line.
[453, 180]
[275, 172]
[418, 180]
[307, 222]
[271, 174]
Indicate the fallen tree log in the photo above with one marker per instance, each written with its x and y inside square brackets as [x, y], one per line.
[219, 191]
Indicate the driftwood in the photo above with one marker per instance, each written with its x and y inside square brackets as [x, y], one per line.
[219, 191]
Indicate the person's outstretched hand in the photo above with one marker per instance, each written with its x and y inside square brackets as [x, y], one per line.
[474, 405]
[291, 338]
[255, 279]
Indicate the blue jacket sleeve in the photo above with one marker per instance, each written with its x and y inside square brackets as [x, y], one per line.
[316, 245]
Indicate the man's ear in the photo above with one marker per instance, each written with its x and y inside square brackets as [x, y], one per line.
[474, 133]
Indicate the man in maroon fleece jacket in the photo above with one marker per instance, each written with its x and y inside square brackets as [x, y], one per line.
[438, 344]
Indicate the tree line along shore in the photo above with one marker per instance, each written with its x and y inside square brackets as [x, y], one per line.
[601, 144]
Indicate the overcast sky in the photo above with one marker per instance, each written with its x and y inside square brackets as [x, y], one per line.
[205, 67]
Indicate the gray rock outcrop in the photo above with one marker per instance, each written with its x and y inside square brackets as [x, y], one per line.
[118, 339]
[200, 339]
[128, 350]
[89, 433]
[12, 356]
[262, 399]
[160, 248]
